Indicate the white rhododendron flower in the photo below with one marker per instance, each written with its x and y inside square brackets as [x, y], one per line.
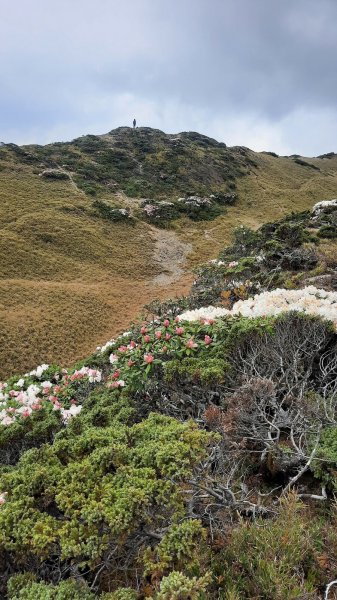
[207, 313]
[113, 358]
[3, 497]
[20, 383]
[320, 206]
[310, 300]
[46, 386]
[38, 372]
[71, 412]
[106, 346]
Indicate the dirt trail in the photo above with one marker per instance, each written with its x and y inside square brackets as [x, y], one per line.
[170, 253]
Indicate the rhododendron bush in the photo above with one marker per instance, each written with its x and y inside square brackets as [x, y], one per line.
[23, 397]
[310, 300]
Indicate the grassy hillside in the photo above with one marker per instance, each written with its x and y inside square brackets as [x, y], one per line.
[71, 276]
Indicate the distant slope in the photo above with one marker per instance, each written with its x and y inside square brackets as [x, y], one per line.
[70, 278]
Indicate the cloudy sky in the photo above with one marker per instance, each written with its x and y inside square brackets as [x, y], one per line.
[259, 73]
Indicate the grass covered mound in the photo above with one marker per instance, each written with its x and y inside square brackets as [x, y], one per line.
[193, 457]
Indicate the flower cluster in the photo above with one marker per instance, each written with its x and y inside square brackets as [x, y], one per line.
[322, 206]
[21, 398]
[310, 300]
[134, 359]
[206, 314]
[221, 263]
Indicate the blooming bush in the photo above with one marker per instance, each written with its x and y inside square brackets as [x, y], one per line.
[18, 400]
[309, 300]
[324, 205]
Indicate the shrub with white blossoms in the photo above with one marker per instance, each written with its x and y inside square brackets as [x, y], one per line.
[38, 372]
[309, 300]
[325, 204]
[207, 313]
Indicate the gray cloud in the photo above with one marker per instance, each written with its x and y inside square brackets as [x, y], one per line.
[259, 73]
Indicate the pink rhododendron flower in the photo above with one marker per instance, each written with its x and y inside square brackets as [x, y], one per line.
[143, 330]
[191, 343]
[158, 335]
[177, 319]
[131, 363]
[132, 345]
[3, 497]
[117, 384]
[168, 336]
[25, 413]
[46, 387]
[116, 374]
[123, 349]
[179, 330]
[208, 340]
[149, 358]
[166, 323]
[147, 339]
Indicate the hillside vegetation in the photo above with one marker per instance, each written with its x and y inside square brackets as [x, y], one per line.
[193, 457]
[84, 228]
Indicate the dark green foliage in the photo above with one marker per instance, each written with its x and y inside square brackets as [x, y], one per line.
[182, 548]
[328, 231]
[325, 466]
[145, 163]
[304, 163]
[116, 215]
[97, 486]
[54, 174]
[199, 209]
[202, 370]
[267, 258]
[39, 429]
[25, 587]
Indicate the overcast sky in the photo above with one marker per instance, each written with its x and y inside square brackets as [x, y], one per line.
[258, 73]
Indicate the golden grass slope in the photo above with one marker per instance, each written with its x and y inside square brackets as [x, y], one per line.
[70, 280]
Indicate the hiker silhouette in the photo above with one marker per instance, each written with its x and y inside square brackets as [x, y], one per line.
[134, 123]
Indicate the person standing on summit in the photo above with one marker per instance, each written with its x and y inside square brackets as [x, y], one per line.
[134, 123]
